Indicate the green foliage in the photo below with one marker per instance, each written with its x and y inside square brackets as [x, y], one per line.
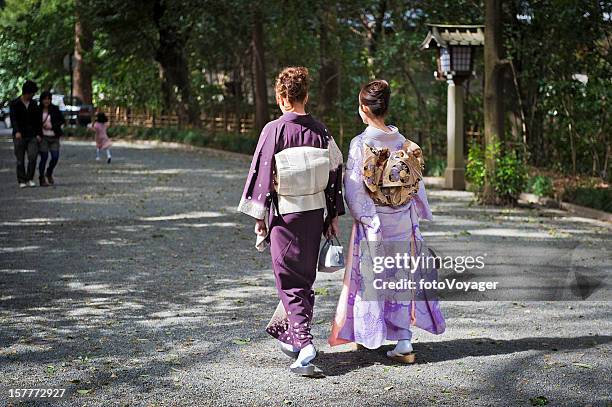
[34, 37]
[540, 185]
[567, 120]
[475, 168]
[128, 82]
[596, 198]
[538, 401]
[435, 166]
[509, 178]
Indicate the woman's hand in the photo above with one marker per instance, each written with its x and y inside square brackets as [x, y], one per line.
[333, 229]
[260, 227]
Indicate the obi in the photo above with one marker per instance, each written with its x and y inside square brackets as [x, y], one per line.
[392, 178]
[301, 177]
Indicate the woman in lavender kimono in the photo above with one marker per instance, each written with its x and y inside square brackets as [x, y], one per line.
[385, 195]
[293, 229]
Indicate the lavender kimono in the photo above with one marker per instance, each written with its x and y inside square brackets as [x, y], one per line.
[294, 238]
[370, 323]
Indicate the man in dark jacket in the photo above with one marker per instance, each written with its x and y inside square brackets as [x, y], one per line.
[26, 120]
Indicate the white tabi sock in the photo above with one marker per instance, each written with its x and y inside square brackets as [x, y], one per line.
[289, 347]
[403, 347]
[307, 354]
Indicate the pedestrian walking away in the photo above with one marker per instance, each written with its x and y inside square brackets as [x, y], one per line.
[27, 133]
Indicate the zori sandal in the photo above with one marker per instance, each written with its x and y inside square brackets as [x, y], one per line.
[407, 358]
[308, 370]
[355, 347]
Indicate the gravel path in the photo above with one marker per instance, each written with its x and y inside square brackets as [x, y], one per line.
[136, 283]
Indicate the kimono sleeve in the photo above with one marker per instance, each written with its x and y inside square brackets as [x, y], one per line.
[361, 206]
[257, 194]
[422, 205]
[333, 192]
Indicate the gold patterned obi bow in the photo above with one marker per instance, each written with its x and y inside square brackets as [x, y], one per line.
[392, 178]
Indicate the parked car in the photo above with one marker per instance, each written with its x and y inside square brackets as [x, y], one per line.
[58, 100]
[69, 111]
[5, 115]
[76, 112]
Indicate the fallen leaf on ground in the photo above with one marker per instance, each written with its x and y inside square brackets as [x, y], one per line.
[322, 291]
[538, 401]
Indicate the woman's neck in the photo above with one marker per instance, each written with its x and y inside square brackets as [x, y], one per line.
[297, 108]
[296, 111]
[379, 123]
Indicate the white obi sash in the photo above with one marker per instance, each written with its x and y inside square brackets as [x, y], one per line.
[302, 174]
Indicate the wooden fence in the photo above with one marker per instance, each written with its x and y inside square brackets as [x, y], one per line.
[224, 123]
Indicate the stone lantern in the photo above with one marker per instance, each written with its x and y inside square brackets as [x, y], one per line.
[455, 46]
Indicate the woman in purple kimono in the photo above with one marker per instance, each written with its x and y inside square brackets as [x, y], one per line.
[294, 191]
[385, 194]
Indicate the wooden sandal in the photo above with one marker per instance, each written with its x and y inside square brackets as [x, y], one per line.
[357, 346]
[309, 370]
[407, 358]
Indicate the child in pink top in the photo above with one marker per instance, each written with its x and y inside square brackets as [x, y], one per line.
[103, 142]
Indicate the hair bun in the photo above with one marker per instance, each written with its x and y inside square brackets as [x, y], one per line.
[292, 83]
[376, 95]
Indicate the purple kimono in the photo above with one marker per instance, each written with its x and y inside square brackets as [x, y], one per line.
[295, 237]
[369, 322]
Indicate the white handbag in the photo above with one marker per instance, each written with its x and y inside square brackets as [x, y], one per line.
[331, 257]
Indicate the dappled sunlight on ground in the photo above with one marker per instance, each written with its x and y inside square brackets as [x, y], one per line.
[180, 216]
[139, 278]
[15, 271]
[212, 224]
[19, 249]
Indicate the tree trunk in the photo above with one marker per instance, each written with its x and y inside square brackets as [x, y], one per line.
[174, 68]
[237, 96]
[329, 73]
[493, 101]
[83, 45]
[572, 132]
[423, 117]
[379, 29]
[374, 32]
[260, 86]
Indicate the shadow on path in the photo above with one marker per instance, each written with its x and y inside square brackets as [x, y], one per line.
[341, 363]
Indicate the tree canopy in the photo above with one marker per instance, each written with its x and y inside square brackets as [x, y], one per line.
[200, 57]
